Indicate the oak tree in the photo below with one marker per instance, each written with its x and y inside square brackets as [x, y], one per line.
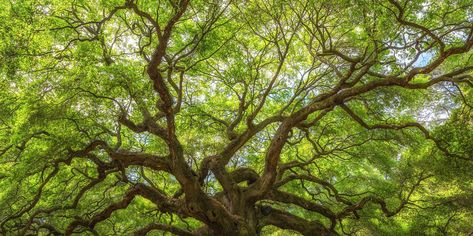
[230, 117]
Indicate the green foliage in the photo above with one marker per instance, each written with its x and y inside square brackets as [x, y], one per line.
[74, 72]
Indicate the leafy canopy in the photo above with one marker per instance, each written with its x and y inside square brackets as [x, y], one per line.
[236, 117]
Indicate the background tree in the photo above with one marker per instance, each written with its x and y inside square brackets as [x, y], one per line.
[236, 117]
